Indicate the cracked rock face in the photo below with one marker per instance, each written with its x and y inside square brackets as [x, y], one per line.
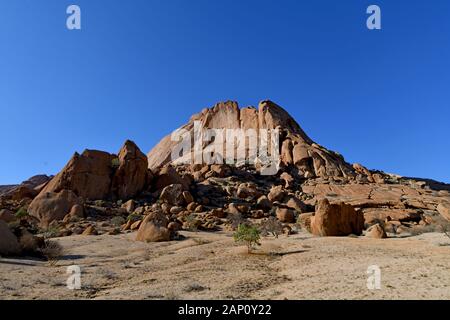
[88, 175]
[336, 220]
[98, 175]
[297, 150]
[131, 175]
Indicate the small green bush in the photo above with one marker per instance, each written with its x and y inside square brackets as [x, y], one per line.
[134, 217]
[99, 203]
[51, 232]
[21, 213]
[249, 235]
[192, 223]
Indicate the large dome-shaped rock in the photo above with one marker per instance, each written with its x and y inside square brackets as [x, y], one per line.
[50, 206]
[336, 220]
[131, 175]
[88, 175]
[296, 148]
[154, 228]
[9, 245]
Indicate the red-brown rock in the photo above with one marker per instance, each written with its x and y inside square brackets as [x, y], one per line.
[376, 232]
[88, 175]
[173, 195]
[51, 206]
[131, 175]
[444, 209]
[154, 228]
[7, 215]
[285, 215]
[336, 220]
[167, 176]
[9, 245]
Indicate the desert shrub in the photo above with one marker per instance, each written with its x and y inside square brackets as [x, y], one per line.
[445, 227]
[194, 287]
[440, 225]
[51, 232]
[52, 251]
[272, 226]
[235, 220]
[249, 235]
[191, 222]
[21, 213]
[117, 221]
[29, 243]
[134, 217]
[99, 203]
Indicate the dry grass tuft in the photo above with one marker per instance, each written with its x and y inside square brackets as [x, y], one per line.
[52, 251]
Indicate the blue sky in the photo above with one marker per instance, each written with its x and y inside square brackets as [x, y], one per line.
[138, 69]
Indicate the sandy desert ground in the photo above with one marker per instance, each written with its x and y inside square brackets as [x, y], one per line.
[212, 266]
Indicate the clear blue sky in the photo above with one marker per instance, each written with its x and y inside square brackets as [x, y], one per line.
[138, 69]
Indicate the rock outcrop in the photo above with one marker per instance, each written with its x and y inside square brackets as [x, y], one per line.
[336, 220]
[297, 149]
[98, 175]
[131, 175]
[88, 175]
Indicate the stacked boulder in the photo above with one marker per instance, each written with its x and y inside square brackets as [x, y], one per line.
[92, 175]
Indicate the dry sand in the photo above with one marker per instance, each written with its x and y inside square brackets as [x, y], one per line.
[211, 266]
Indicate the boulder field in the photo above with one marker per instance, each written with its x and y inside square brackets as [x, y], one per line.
[313, 188]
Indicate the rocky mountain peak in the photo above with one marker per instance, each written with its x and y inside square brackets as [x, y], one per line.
[297, 150]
